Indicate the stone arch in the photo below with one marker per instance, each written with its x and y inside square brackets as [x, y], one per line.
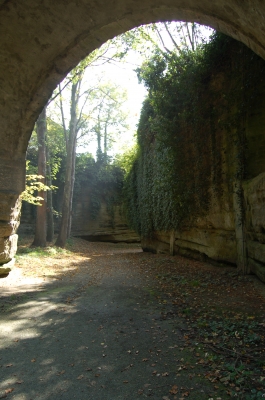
[41, 41]
[45, 40]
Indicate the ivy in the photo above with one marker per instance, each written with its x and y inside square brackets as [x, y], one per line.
[191, 124]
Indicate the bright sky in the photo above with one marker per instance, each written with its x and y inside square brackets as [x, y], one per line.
[123, 75]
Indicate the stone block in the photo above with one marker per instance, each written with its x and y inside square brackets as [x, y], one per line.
[12, 175]
[215, 244]
[155, 246]
[10, 206]
[8, 228]
[254, 193]
[6, 268]
[4, 271]
[8, 248]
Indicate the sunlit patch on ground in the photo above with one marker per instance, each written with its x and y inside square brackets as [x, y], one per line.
[102, 320]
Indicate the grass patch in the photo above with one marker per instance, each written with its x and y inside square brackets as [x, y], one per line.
[41, 251]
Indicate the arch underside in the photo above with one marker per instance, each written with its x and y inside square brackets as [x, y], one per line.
[41, 41]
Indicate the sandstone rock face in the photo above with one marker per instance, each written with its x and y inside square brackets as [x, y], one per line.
[104, 227]
[6, 268]
[202, 244]
[8, 248]
[229, 233]
[12, 175]
[213, 243]
[254, 191]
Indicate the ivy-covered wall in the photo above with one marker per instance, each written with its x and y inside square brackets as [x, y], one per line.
[201, 137]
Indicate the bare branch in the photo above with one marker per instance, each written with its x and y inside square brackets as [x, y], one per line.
[171, 37]
[62, 115]
[190, 38]
[161, 39]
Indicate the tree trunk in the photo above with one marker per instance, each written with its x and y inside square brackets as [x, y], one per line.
[105, 140]
[98, 133]
[72, 191]
[50, 220]
[70, 168]
[40, 229]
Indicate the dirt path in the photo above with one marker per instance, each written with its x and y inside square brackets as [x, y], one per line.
[103, 329]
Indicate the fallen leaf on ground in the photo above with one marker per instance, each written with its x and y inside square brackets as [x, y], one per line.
[61, 373]
[9, 390]
[174, 390]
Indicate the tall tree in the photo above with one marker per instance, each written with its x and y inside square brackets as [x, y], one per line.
[50, 220]
[100, 102]
[110, 120]
[70, 142]
[41, 221]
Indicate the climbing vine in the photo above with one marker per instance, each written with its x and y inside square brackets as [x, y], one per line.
[191, 133]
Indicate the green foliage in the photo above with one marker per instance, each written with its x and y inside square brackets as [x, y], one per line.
[27, 252]
[56, 146]
[33, 185]
[195, 100]
[108, 119]
[126, 159]
[55, 143]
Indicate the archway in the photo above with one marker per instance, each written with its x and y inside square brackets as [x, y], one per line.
[41, 41]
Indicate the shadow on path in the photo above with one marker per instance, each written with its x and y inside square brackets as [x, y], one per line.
[78, 338]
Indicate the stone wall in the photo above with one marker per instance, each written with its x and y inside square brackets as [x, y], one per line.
[213, 237]
[12, 176]
[254, 193]
[105, 226]
[229, 234]
[102, 227]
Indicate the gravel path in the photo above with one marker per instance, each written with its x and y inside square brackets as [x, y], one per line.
[97, 334]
